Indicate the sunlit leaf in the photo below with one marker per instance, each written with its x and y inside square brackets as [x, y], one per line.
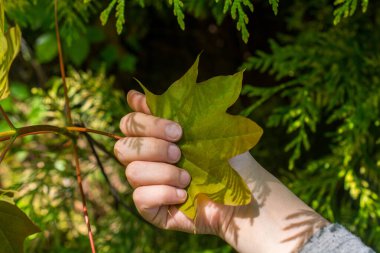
[15, 226]
[7, 195]
[211, 136]
[9, 48]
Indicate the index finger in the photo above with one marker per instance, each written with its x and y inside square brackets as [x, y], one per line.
[137, 101]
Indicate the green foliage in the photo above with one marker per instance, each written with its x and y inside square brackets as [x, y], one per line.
[318, 97]
[120, 19]
[328, 101]
[188, 103]
[10, 40]
[346, 8]
[237, 13]
[40, 167]
[237, 9]
[274, 4]
[46, 47]
[72, 15]
[178, 12]
[15, 226]
[89, 94]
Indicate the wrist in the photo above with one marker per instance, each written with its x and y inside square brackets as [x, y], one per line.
[275, 221]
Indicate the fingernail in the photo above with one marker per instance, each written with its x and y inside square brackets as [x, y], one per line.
[135, 92]
[184, 178]
[181, 193]
[174, 153]
[173, 131]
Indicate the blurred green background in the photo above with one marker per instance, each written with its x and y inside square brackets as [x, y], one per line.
[312, 81]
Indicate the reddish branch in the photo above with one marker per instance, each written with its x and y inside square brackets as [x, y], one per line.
[70, 122]
[5, 115]
[62, 65]
[43, 129]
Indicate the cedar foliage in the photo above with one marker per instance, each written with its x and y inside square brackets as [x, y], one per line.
[322, 109]
[328, 101]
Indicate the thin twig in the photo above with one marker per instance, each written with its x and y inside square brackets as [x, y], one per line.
[70, 122]
[88, 130]
[101, 167]
[114, 192]
[4, 138]
[85, 213]
[105, 150]
[7, 134]
[62, 65]
[5, 115]
[43, 129]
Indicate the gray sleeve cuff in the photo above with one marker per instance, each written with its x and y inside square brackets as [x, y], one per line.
[334, 238]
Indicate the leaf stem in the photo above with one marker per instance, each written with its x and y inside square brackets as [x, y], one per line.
[5, 115]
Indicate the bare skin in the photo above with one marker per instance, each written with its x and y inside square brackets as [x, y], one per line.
[275, 221]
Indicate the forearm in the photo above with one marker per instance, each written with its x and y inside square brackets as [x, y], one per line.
[281, 221]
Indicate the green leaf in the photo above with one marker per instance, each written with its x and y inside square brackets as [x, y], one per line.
[120, 18]
[15, 226]
[46, 47]
[95, 34]
[274, 4]
[7, 196]
[128, 63]
[78, 51]
[106, 13]
[178, 12]
[211, 136]
[9, 47]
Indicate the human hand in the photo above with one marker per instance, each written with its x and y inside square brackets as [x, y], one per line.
[149, 154]
[275, 221]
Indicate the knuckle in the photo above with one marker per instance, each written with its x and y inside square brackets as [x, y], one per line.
[125, 122]
[122, 123]
[117, 149]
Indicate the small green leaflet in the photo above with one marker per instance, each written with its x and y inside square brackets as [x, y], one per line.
[9, 47]
[7, 195]
[15, 226]
[210, 136]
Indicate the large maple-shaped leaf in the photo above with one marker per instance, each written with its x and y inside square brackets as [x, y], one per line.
[10, 41]
[15, 226]
[210, 135]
